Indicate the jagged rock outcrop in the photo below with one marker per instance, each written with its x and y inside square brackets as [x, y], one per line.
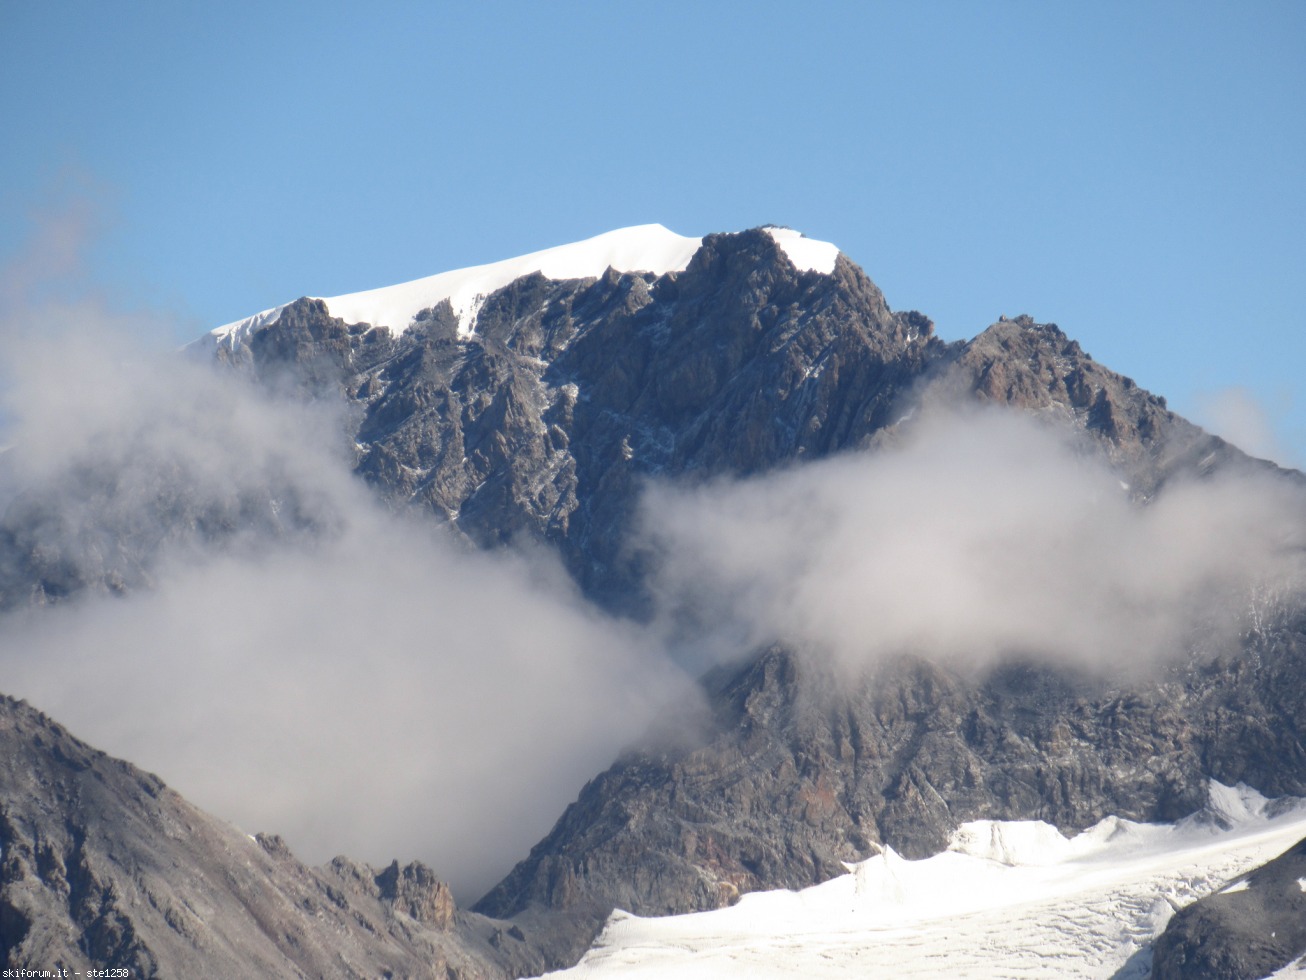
[1036, 368]
[102, 866]
[1248, 930]
[546, 421]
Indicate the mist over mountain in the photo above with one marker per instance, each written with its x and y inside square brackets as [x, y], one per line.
[204, 551]
[398, 587]
[977, 535]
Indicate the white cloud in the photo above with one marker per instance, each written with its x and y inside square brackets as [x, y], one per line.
[381, 694]
[982, 536]
[1238, 416]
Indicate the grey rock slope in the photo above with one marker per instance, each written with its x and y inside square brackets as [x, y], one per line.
[1240, 935]
[102, 866]
[802, 770]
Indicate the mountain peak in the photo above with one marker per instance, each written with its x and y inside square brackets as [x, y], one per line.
[640, 248]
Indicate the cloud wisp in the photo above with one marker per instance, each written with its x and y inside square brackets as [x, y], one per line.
[1238, 415]
[984, 535]
[381, 694]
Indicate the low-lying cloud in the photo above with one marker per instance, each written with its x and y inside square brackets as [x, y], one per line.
[382, 694]
[983, 535]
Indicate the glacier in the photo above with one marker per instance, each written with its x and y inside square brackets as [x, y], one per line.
[1007, 899]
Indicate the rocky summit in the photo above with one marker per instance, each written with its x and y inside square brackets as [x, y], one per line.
[537, 413]
[543, 422]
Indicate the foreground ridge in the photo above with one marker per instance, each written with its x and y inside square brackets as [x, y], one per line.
[105, 867]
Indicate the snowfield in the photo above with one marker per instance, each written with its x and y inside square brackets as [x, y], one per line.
[807, 254]
[1014, 899]
[642, 248]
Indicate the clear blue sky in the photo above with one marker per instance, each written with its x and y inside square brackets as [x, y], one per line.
[1133, 172]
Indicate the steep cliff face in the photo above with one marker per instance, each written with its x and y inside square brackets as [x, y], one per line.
[545, 420]
[102, 866]
[804, 769]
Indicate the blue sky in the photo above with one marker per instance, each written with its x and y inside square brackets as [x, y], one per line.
[1133, 172]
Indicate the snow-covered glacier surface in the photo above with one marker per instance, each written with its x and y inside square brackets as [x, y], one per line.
[1013, 899]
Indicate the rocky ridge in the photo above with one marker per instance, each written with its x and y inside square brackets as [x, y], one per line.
[545, 421]
[102, 866]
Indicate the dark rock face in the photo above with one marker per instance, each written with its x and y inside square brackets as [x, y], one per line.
[803, 769]
[1241, 935]
[103, 866]
[570, 393]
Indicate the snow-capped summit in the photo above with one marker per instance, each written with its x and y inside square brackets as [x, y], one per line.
[807, 254]
[640, 248]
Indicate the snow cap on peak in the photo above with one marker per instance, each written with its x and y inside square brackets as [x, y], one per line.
[641, 248]
[807, 254]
